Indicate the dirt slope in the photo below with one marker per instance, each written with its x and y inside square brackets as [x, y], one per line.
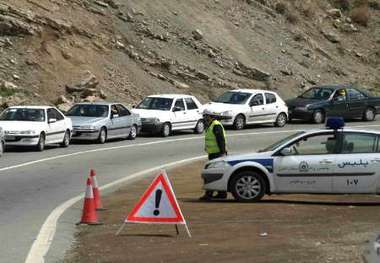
[133, 48]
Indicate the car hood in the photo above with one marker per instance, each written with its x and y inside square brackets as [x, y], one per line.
[21, 125]
[301, 102]
[217, 107]
[77, 120]
[150, 113]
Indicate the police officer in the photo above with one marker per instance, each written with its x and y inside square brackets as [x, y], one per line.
[215, 145]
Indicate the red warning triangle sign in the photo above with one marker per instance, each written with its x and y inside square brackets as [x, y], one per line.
[157, 205]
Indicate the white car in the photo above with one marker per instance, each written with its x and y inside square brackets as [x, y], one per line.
[330, 161]
[163, 114]
[249, 106]
[35, 126]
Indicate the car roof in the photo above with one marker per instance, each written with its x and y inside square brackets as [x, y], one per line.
[344, 130]
[252, 91]
[31, 107]
[333, 86]
[171, 96]
[97, 103]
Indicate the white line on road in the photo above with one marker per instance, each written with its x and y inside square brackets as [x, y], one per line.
[153, 143]
[45, 237]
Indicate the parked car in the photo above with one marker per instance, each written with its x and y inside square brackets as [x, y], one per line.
[2, 142]
[102, 120]
[332, 161]
[337, 100]
[162, 114]
[240, 107]
[35, 126]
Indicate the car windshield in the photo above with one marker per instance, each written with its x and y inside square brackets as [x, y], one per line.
[154, 103]
[275, 145]
[84, 110]
[231, 97]
[318, 93]
[23, 114]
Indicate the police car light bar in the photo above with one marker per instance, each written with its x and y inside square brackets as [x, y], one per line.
[335, 123]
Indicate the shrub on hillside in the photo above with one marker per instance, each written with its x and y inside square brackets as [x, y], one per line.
[360, 15]
[342, 4]
[284, 9]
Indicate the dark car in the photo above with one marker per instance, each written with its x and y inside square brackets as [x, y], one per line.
[339, 100]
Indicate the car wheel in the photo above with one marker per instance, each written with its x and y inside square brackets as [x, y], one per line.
[200, 127]
[1, 148]
[239, 122]
[318, 116]
[248, 186]
[133, 133]
[102, 135]
[280, 120]
[66, 140]
[369, 114]
[166, 130]
[41, 143]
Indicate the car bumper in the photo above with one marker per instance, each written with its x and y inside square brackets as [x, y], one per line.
[227, 121]
[21, 140]
[213, 179]
[85, 135]
[300, 114]
[151, 127]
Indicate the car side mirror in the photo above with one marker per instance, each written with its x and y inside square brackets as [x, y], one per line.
[176, 109]
[52, 120]
[286, 151]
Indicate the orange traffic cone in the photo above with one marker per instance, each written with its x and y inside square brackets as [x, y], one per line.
[95, 188]
[89, 216]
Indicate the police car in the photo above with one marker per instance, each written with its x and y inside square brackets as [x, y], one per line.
[332, 160]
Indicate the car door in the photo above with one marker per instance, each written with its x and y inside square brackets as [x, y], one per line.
[270, 108]
[116, 122]
[356, 102]
[306, 165]
[125, 120]
[179, 116]
[56, 127]
[193, 112]
[358, 164]
[338, 105]
[257, 109]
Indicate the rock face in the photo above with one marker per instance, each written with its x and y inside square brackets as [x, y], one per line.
[197, 34]
[252, 72]
[332, 37]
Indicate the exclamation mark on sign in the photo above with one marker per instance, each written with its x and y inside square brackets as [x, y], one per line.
[156, 212]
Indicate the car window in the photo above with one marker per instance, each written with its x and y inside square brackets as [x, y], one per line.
[155, 103]
[88, 110]
[54, 114]
[58, 115]
[122, 110]
[191, 105]
[359, 143]
[114, 110]
[340, 95]
[258, 99]
[233, 97]
[354, 94]
[23, 114]
[179, 103]
[270, 98]
[315, 145]
[317, 93]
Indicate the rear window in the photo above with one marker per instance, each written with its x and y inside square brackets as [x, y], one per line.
[359, 143]
[270, 98]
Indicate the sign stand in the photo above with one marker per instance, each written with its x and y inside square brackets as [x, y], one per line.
[158, 205]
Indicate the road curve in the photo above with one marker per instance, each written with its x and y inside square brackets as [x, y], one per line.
[34, 184]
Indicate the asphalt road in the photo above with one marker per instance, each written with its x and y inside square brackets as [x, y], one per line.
[30, 188]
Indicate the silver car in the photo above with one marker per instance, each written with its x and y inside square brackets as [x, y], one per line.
[2, 141]
[102, 120]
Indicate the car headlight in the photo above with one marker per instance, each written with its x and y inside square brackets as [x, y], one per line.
[217, 164]
[304, 108]
[151, 120]
[227, 113]
[28, 132]
[88, 127]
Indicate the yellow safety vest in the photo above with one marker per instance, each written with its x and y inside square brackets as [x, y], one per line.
[211, 145]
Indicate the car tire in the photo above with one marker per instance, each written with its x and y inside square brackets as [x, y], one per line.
[281, 120]
[66, 140]
[200, 127]
[102, 135]
[133, 133]
[166, 129]
[239, 122]
[2, 148]
[318, 117]
[41, 143]
[369, 114]
[247, 186]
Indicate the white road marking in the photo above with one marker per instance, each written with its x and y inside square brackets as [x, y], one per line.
[156, 142]
[45, 237]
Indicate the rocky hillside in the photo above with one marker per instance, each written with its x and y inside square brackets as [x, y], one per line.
[61, 51]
